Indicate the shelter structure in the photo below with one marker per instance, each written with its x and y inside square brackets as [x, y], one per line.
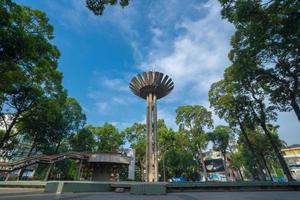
[101, 166]
[151, 86]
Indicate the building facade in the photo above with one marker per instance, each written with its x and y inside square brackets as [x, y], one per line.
[214, 163]
[292, 156]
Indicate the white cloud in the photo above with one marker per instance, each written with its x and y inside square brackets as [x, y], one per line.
[119, 100]
[101, 106]
[77, 16]
[115, 84]
[188, 41]
[198, 56]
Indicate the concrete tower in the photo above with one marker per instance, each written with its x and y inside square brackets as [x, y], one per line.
[151, 86]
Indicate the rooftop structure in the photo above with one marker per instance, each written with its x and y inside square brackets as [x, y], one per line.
[101, 164]
[292, 156]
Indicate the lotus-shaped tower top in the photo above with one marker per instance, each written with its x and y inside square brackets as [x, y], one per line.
[151, 82]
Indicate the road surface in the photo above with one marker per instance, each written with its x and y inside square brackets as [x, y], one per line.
[37, 194]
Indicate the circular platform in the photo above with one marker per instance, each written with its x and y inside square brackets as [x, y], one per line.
[151, 82]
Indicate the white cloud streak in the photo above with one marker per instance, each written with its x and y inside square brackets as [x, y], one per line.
[198, 56]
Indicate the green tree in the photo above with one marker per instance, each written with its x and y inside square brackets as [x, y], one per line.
[28, 64]
[244, 92]
[82, 141]
[192, 120]
[50, 122]
[67, 122]
[175, 158]
[36, 124]
[254, 95]
[264, 148]
[179, 159]
[221, 137]
[231, 107]
[98, 6]
[136, 136]
[237, 162]
[265, 56]
[166, 142]
[108, 138]
[242, 158]
[269, 33]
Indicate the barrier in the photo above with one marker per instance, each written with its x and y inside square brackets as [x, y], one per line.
[151, 188]
[23, 184]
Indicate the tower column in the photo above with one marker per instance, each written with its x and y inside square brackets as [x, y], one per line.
[155, 149]
[151, 86]
[151, 143]
[148, 122]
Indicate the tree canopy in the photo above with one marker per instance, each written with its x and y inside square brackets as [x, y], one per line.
[268, 36]
[192, 120]
[98, 6]
[84, 140]
[33, 101]
[108, 137]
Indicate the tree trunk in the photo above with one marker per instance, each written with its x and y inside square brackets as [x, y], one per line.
[240, 173]
[225, 166]
[266, 166]
[142, 168]
[164, 168]
[203, 164]
[250, 147]
[8, 131]
[57, 147]
[277, 153]
[262, 121]
[32, 146]
[4, 139]
[296, 108]
[294, 96]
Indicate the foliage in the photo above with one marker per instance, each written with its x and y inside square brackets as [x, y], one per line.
[268, 33]
[50, 122]
[240, 99]
[83, 141]
[265, 67]
[192, 120]
[256, 107]
[98, 6]
[108, 138]
[178, 159]
[175, 158]
[136, 136]
[64, 170]
[263, 149]
[28, 64]
[221, 137]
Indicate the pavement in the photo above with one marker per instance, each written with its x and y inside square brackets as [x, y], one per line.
[38, 194]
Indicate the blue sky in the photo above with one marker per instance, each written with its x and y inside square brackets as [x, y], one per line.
[100, 54]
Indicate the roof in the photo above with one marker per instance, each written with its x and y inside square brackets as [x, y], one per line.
[105, 157]
[294, 146]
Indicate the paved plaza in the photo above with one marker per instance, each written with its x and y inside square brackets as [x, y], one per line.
[37, 194]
